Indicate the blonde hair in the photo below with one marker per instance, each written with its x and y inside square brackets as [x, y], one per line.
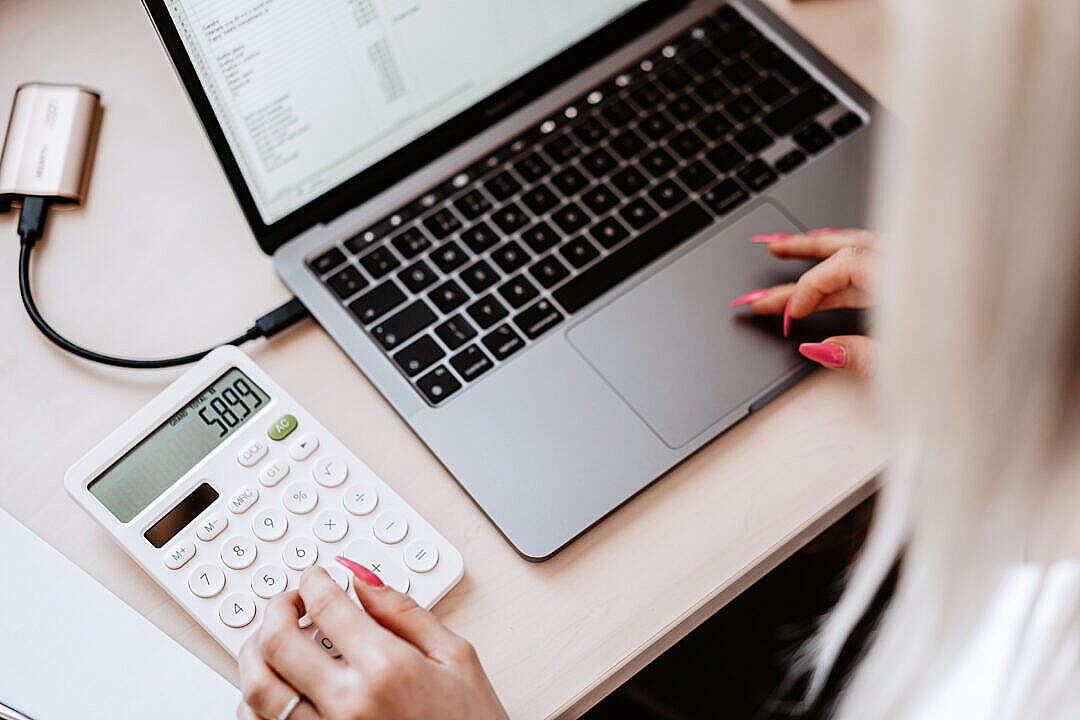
[980, 350]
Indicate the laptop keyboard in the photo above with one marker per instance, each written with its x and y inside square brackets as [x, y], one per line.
[471, 272]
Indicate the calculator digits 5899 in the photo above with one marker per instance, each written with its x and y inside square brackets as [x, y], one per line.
[225, 490]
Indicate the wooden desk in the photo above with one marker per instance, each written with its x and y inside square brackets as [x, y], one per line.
[160, 261]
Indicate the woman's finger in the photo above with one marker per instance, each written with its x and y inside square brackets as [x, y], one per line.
[771, 301]
[818, 244]
[292, 654]
[400, 614]
[266, 694]
[357, 635]
[853, 354]
[847, 268]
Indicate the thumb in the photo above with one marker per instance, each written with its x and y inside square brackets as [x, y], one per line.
[853, 354]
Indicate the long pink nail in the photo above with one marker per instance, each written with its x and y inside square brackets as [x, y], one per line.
[752, 296]
[769, 238]
[360, 571]
[787, 317]
[827, 354]
[821, 231]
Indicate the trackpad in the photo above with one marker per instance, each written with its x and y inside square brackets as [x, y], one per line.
[675, 351]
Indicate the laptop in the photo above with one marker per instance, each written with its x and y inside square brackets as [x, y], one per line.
[523, 221]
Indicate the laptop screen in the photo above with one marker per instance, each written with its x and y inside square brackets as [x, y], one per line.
[310, 94]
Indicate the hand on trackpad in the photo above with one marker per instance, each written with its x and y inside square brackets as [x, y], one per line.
[674, 352]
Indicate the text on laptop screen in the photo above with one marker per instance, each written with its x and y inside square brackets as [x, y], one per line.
[310, 94]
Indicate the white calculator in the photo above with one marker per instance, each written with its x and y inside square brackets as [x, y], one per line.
[225, 489]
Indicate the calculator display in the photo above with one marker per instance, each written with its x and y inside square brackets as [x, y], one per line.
[177, 445]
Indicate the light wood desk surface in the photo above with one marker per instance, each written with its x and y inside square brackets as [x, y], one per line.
[159, 261]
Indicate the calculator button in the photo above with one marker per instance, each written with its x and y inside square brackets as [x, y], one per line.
[243, 499]
[339, 576]
[252, 453]
[212, 526]
[330, 471]
[300, 553]
[268, 581]
[331, 526]
[206, 581]
[303, 447]
[360, 499]
[378, 561]
[238, 552]
[282, 427]
[300, 498]
[273, 474]
[391, 527]
[270, 525]
[178, 555]
[421, 556]
[237, 610]
[327, 644]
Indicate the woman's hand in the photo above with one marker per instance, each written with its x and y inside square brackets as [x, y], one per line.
[398, 660]
[843, 279]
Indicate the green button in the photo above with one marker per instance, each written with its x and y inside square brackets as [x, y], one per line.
[282, 427]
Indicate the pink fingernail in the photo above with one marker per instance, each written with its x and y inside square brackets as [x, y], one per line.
[752, 296]
[360, 571]
[769, 238]
[787, 317]
[827, 354]
[821, 231]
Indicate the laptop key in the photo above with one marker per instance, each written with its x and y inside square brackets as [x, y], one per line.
[687, 144]
[438, 385]
[486, 311]
[803, 107]
[403, 325]
[658, 162]
[725, 157]
[540, 199]
[757, 175]
[411, 243]
[379, 262]
[327, 261]
[656, 126]
[742, 107]
[480, 237]
[517, 291]
[347, 281]
[471, 363]
[667, 194]
[618, 113]
[740, 74]
[502, 186]
[448, 296]
[600, 199]
[549, 271]
[715, 125]
[541, 237]
[790, 161]
[647, 95]
[479, 276]
[845, 124]
[813, 138]
[449, 256]
[417, 276]
[377, 302]
[562, 149]
[696, 175]
[609, 232]
[771, 91]
[714, 91]
[510, 256]
[442, 223]
[579, 252]
[511, 218]
[590, 132]
[725, 197]
[753, 139]
[571, 181]
[628, 144]
[668, 234]
[472, 204]
[503, 342]
[538, 319]
[419, 356]
[704, 61]
[685, 108]
[455, 332]
[638, 213]
[570, 218]
[532, 167]
[629, 181]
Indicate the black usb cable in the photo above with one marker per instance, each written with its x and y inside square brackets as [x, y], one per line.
[31, 227]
